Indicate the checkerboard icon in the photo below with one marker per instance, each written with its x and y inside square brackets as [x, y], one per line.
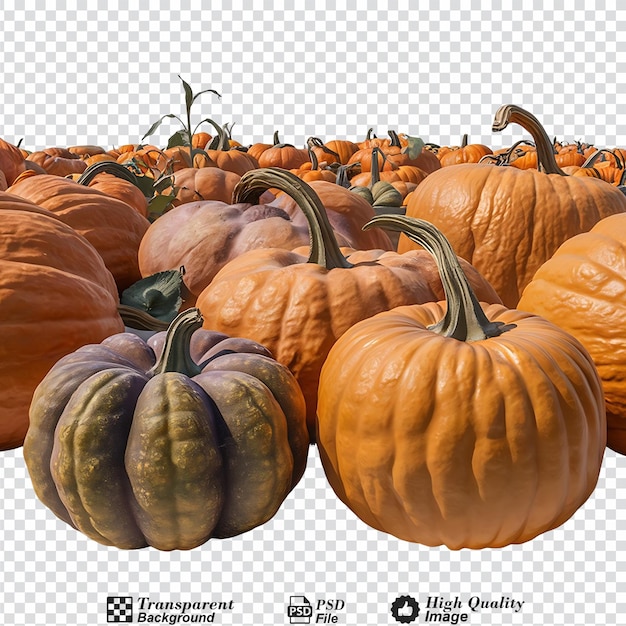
[120, 609]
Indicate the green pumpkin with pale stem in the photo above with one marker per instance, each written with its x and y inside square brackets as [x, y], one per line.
[166, 443]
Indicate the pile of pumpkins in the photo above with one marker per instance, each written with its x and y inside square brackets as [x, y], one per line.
[443, 323]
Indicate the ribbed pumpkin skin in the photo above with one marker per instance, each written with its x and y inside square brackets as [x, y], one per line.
[464, 444]
[299, 309]
[582, 289]
[203, 236]
[55, 295]
[114, 228]
[133, 458]
[507, 222]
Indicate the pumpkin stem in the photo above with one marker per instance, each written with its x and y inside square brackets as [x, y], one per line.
[176, 356]
[110, 167]
[591, 160]
[509, 113]
[464, 319]
[324, 247]
[464, 140]
[316, 142]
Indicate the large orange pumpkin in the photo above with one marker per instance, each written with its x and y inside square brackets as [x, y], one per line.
[582, 288]
[114, 228]
[506, 221]
[55, 295]
[457, 423]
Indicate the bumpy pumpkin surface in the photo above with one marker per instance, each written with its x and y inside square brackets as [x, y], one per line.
[167, 443]
[582, 289]
[203, 236]
[454, 424]
[114, 228]
[55, 295]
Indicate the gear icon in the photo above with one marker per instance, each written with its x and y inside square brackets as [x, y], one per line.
[405, 609]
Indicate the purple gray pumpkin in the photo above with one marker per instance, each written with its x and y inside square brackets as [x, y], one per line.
[166, 443]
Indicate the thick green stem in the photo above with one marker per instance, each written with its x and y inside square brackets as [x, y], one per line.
[176, 356]
[464, 319]
[324, 247]
[509, 113]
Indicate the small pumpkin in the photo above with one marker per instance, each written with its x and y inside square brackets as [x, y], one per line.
[58, 161]
[459, 423]
[11, 162]
[166, 443]
[465, 153]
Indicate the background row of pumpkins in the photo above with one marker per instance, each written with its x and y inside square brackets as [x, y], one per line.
[338, 286]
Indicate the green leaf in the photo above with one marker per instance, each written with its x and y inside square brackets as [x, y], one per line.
[158, 123]
[414, 147]
[159, 205]
[179, 138]
[189, 98]
[147, 185]
[207, 91]
[159, 295]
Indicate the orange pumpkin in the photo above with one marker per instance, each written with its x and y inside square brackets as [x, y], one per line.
[56, 295]
[506, 221]
[58, 161]
[457, 423]
[465, 153]
[582, 288]
[114, 228]
[11, 161]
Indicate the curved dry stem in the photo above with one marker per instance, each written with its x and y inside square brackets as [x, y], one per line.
[464, 319]
[324, 247]
[510, 113]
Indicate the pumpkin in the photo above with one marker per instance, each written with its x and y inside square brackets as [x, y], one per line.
[113, 227]
[581, 288]
[220, 153]
[459, 423]
[506, 221]
[11, 161]
[55, 294]
[203, 236]
[117, 181]
[334, 151]
[465, 153]
[193, 184]
[58, 161]
[199, 437]
[297, 303]
[311, 170]
[283, 155]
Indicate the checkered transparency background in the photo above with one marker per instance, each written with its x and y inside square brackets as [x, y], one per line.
[99, 72]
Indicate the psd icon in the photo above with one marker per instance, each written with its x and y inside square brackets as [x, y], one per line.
[299, 610]
[120, 609]
[405, 609]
